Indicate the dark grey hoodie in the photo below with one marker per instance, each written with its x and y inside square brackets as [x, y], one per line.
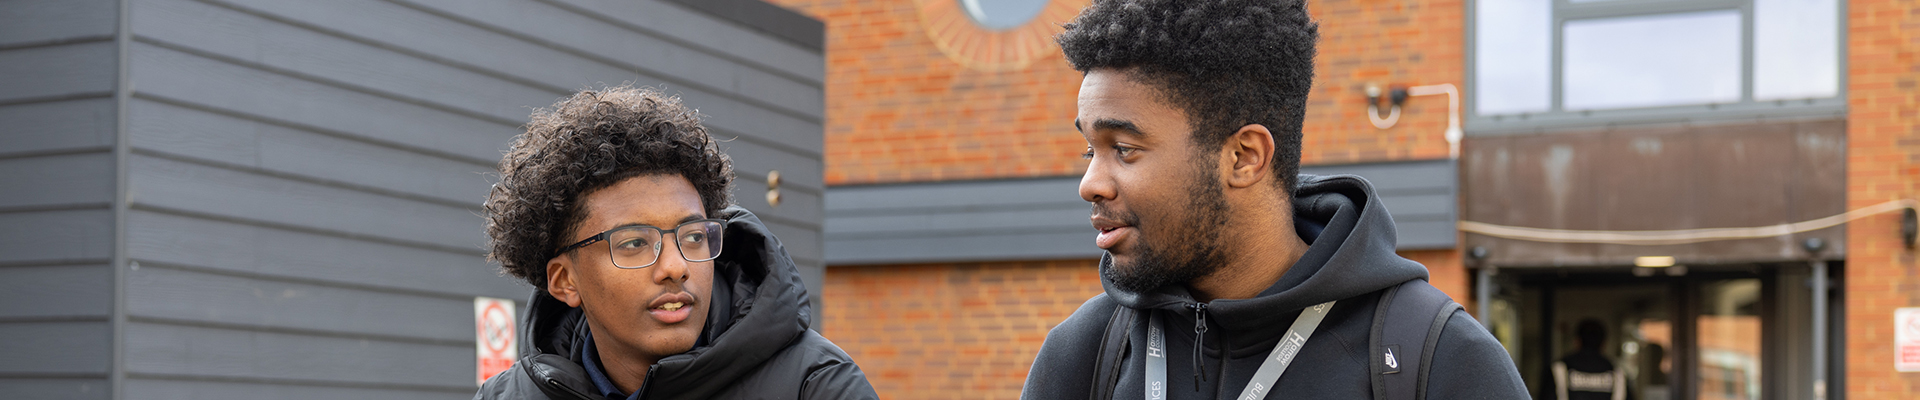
[756, 344]
[1350, 258]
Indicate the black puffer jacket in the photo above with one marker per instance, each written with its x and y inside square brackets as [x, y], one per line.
[757, 347]
[1350, 259]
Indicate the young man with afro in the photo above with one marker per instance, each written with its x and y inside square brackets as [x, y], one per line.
[1228, 275]
[649, 283]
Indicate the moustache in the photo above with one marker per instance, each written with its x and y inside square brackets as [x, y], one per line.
[1125, 217]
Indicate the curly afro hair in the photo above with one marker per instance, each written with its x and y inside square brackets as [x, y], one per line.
[1229, 63]
[586, 142]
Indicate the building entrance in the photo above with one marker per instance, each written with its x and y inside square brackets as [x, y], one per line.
[1715, 332]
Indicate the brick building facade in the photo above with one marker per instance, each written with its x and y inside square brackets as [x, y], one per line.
[915, 98]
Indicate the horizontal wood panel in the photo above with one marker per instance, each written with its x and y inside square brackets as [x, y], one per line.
[971, 248]
[697, 65]
[56, 291]
[486, 48]
[229, 140]
[57, 126]
[262, 250]
[57, 71]
[958, 196]
[715, 34]
[1045, 218]
[56, 236]
[752, 160]
[55, 388]
[67, 179]
[1391, 177]
[273, 44]
[261, 94]
[242, 354]
[796, 206]
[960, 223]
[175, 389]
[41, 21]
[187, 295]
[802, 243]
[203, 189]
[56, 347]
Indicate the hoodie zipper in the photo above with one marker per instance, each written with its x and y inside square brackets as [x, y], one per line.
[1199, 339]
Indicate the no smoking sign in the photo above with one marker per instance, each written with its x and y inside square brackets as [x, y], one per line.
[495, 341]
[1906, 339]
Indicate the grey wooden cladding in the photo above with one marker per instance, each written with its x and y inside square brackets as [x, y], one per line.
[56, 388]
[264, 356]
[56, 292]
[57, 68]
[52, 72]
[303, 180]
[38, 22]
[1033, 219]
[57, 126]
[1422, 196]
[183, 388]
[57, 348]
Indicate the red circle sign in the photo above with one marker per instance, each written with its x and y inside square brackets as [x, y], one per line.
[496, 328]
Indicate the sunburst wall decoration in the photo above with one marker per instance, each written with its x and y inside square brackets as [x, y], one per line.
[996, 35]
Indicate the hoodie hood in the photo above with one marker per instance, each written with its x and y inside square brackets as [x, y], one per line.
[1350, 252]
[760, 305]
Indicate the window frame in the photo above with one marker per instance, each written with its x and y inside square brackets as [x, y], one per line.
[1557, 118]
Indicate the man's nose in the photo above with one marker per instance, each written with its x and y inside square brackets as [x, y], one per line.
[671, 266]
[1097, 184]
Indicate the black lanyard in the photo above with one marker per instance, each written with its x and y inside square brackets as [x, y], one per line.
[1263, 379]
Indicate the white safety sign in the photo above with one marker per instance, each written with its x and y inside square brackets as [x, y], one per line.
[1906, 339]
[495, 329]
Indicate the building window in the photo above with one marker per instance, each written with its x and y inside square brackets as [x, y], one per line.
[1546, 63]
[1003, 14]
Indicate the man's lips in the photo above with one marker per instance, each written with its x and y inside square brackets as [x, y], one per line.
[671, 308]
[1111, 232]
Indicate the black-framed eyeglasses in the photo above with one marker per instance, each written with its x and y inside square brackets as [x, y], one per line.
[638, 246]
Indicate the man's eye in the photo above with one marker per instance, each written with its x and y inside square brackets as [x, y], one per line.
[635, 243]
[1123, 152]
[1087, 155]
[694, 237]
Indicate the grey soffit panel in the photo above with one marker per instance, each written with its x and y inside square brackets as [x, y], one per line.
[1030, 219]
[769, 18]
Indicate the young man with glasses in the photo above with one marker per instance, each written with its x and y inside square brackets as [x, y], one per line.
[616, 206]
[1227, 274]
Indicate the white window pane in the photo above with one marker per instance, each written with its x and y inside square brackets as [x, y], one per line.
[1659, 60]
[1003, 14]
[1796, 45]
[1512, 56]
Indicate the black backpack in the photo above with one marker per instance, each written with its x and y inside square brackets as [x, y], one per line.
[1406, 328]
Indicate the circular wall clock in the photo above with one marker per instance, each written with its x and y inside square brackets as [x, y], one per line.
[996, 35]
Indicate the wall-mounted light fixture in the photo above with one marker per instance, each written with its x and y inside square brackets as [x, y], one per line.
[1395, 97]
[773, 188]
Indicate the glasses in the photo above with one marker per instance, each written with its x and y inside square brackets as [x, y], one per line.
[638, 246]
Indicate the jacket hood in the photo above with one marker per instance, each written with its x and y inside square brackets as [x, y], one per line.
[1350, 252]
[766, 307]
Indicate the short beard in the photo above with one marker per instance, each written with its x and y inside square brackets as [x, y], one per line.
[1200, 252]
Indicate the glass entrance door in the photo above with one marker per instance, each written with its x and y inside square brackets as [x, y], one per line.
[1612, 335]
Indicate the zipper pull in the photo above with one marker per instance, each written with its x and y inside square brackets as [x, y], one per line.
[1199, 339]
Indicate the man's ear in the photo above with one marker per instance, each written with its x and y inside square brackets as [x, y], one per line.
[1248, 155]
[560, 280]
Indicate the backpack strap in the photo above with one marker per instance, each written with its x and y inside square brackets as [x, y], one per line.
[1113, 353]
[1406, 329]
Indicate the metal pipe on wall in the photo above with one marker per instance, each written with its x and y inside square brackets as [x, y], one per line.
[1819, 282]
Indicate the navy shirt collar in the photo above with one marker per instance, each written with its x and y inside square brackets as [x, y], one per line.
[589, 358]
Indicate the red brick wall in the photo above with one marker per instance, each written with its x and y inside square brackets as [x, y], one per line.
[1387, 42]
[901, 110]
[1883, 152]
[951, 331]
